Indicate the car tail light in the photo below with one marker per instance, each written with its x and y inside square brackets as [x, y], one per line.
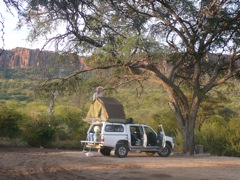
[102, 138]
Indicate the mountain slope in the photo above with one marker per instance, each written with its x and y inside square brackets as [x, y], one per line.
[35, 58]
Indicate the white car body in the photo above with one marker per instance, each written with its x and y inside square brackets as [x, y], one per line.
[121, 138]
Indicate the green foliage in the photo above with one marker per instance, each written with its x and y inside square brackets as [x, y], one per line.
[213, 136]
[65, 125]
[233, 137]
[38, 131]
[15, 142]
[69, 123]
[220, 137]
[9, 122]
[16, 89]
[18, 73]
[142, 104]
[167, 119]
[227, 113]
[178, 140]
[217, 123]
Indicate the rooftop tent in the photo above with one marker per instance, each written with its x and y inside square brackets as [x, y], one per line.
[105, 109]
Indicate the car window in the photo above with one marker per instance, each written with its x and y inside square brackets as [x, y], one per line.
[114, 128]
[148, 130]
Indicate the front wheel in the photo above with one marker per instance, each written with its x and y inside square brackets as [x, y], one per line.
[121, 150]
[165, 152]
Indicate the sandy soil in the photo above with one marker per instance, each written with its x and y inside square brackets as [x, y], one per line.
[31, 163]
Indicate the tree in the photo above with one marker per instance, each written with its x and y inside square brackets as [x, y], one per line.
[171, 43]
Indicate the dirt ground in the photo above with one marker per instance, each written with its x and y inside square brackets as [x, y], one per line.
[33, 163]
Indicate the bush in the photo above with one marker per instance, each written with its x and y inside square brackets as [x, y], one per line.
[9, 120]
[233, 138]
[168, 121]
[38, 132]
[220, 137]
[69, 123]
[178, 140]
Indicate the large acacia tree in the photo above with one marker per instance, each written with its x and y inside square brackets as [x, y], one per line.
[181, 45]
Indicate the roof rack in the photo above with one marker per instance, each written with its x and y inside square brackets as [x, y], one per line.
[123, 121]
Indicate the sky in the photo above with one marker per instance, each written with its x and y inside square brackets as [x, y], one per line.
[14, 38]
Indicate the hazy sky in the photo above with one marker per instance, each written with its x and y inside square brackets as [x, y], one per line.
[14, 38]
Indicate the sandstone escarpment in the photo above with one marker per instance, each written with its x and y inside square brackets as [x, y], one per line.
[35, 58]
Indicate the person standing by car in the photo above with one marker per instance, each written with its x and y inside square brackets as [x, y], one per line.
[98, 93]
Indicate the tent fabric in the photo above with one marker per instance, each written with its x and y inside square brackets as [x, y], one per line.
[104, 108]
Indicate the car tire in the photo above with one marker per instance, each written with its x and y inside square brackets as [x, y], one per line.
[105, 151]
[121, 150]
[149, 153]
[165, 152]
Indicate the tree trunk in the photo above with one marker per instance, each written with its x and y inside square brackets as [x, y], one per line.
[189, 127]
[53, 96]
[188, 136]
[187, 124]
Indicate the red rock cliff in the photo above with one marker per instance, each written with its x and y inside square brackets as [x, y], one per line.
[27, 58]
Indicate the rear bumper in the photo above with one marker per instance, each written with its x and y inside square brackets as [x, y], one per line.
[92, 144]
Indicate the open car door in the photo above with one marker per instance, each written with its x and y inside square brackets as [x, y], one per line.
[163, 136]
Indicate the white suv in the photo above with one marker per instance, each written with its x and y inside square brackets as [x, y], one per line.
[124, 137]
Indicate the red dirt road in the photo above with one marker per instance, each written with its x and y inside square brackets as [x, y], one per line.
[31, 163]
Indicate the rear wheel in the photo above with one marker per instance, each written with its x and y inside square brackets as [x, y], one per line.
[150, 153]
[165, 152]
[105, 151]
[121, 150]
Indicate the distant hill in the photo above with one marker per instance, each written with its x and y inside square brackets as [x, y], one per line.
[36, 62]
[22, 69]
[26, 58]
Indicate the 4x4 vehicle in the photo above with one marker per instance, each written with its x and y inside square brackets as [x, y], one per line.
[121, 138]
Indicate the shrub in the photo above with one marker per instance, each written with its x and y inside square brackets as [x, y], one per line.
[178, 140]
[213, 136]
[9, 120]
[69, 123]
[233, 137]
[39, 131]
[220, 137]
[168, 121]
